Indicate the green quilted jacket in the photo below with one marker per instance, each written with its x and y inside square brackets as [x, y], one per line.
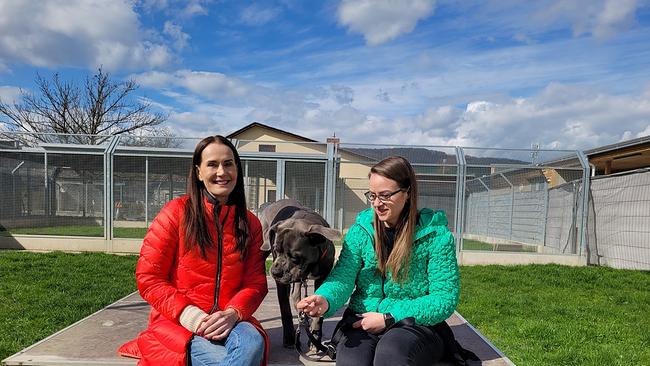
[430, 294]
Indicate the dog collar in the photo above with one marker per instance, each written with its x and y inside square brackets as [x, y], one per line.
[324, 254]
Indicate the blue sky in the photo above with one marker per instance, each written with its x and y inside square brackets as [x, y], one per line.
[493, 73]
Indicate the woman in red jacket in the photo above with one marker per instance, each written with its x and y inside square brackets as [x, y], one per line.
[202, 271]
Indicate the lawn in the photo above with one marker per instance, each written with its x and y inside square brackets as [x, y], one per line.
[537, 314]
[77, 230]
[558, 315]
[44, 292]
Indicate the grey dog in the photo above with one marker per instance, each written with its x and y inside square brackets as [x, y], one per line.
[300, 241]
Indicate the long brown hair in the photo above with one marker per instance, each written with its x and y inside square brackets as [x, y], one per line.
[400, 170]
[197, 232]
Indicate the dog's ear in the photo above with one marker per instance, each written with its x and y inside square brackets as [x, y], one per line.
[292, 224]
[269, 237]
[327, 232]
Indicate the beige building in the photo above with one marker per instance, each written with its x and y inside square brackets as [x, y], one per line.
[279, 164]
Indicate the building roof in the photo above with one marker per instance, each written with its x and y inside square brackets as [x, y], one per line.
[261, 125]
[622, 156]
[618, 146]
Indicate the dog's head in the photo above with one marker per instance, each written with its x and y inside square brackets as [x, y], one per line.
[301, 249]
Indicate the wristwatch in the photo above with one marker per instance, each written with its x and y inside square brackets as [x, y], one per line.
[388, 320]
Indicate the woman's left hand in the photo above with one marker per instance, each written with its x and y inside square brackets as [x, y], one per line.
[371, 322]
[218, 325]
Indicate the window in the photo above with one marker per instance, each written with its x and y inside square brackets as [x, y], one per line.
[270, 195]
[266, 148]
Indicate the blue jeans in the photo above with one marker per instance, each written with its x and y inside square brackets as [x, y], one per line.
[243, 347]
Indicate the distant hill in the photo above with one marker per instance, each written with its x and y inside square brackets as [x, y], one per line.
[418, 155]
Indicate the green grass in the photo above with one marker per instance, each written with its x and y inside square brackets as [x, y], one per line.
[536, 314]
[77, 230]
[42, 293]
[558, 315]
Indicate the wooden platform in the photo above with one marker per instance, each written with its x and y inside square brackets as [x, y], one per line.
[94, 340]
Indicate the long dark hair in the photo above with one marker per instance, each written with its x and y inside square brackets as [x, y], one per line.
[400, 170]
[197, 232]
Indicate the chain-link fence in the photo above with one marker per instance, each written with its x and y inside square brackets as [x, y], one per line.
[435, 168]
[495, 199]
[512, 201]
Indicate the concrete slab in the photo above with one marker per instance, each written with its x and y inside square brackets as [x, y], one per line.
[94, 340]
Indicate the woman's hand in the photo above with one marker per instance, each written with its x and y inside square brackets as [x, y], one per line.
[217, 326]
[314, 305]
[371, 322]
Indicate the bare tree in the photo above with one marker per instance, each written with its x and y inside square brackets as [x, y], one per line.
[150, 137]
[100, 107]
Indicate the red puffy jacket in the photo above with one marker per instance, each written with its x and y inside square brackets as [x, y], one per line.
[169, 279]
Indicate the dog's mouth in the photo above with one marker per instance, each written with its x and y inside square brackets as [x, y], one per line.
[287, 276]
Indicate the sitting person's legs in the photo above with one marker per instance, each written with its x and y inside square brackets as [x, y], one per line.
[356, 347]
[244, 346]
[409, 345]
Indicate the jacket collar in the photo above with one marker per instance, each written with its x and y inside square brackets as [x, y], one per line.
[208, 197]
[213, 205]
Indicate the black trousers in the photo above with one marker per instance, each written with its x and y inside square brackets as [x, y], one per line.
[412, 345]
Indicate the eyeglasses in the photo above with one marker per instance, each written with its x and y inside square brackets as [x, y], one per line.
[383, 196]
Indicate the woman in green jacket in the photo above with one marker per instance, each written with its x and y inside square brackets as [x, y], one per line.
[397, 265]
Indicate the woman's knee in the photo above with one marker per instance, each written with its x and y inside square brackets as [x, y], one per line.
[249, 338]
[355, 348]
[408, 346]
[391, 348]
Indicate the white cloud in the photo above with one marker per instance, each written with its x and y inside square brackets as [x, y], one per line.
[601, 18]
[257, 15]
[193, 8]
[560, 116]
[213, 85]
[342, 94]
[616, 15]
[645, 132]
[9, 94]
[383, 20]
[86, 33]
[176, 33]
[178, 8]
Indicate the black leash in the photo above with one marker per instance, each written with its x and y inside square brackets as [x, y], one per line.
[325, 348]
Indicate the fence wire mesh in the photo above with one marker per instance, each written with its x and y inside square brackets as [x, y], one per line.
[499, 199]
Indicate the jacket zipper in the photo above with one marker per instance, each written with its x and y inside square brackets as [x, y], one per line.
[217, 286]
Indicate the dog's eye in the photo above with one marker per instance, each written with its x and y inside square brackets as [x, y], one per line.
[316, 238]
[294, 260]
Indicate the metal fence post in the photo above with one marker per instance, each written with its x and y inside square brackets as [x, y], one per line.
[279, 176]
[585, 200]
[512, 201]
[545, 210]
[46, 193]
[108, 186]
[460, 197]
[146, 191]
[330, 186]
